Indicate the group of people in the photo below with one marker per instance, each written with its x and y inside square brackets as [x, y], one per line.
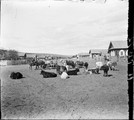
[66, 72]
[63, 67]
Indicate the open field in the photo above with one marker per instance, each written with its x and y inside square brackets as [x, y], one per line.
[79, 97]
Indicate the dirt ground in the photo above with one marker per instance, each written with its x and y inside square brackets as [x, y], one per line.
[84, 96]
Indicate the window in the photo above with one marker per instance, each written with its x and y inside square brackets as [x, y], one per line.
[121, 53]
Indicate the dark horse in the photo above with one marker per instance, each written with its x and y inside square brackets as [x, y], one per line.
[105, 68]
[70, 63]
[37, 64]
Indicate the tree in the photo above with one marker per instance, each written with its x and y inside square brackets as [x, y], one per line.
[12, 55]
[2, 53]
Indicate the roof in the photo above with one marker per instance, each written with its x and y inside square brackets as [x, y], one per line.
[83, 54]
[118, 45]
[95, 51]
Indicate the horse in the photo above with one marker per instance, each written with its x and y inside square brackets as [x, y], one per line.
[37, 64]
[48, 74]
[79, 64]
[70, 63]
[105, 68]
[16, 75]
[112, 65]
[31, 64]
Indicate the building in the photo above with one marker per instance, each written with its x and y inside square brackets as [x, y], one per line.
[79, 56]
[83, 55]
[94, 53]
[22, 55]
[118, 49]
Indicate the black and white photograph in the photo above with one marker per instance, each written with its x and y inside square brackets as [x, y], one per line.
[64, 59]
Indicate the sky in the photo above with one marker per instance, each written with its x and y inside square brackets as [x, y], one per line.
[62, 27]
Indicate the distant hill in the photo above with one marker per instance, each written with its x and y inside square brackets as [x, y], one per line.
[42, 54]
[104, 51]
[3, 52]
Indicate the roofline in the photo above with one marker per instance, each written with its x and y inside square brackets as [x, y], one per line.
[117, 48]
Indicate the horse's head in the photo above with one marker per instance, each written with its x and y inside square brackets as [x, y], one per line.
[41, 72]
[77, 69]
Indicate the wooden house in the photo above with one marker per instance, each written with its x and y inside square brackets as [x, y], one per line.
[94, 53]
[83, 55]
[118, 49]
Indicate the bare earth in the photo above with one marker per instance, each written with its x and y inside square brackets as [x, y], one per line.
[79, 97]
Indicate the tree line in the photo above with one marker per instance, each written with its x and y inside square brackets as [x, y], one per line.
[8, 54]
